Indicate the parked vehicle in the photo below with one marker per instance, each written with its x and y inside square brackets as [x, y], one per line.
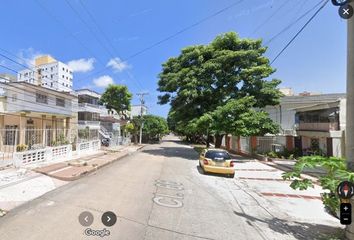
[216, 161]
[105, 142]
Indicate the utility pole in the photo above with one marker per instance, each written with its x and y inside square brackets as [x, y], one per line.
[142, 102]
[349, 131]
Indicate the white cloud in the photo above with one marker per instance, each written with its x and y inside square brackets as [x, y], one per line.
[103, 81]
[117, 64]
[82, 64]
[28, 56]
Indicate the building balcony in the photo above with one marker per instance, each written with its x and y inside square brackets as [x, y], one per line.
[320, 127]
[87, 107]
[90, 124]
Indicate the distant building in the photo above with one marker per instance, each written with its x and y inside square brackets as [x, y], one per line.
[95, 119]
[137, 110]
[287, 91]
[6, 78]
[305, 93]
[312, 122]
[309, 123]
[48, 73]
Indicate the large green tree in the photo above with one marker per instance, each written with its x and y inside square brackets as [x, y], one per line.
[118, 98]
[204, 79]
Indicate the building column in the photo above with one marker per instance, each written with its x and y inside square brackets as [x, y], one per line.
[54, 128]
[68, 128]
[2, 130]
[22, 128]
[238, 144]
[290, 143]
[44, 132]
[253, 143]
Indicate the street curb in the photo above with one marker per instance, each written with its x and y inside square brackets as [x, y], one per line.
[95, 168]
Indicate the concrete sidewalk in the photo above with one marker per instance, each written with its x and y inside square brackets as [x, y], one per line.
[18, 186]
[74, 169]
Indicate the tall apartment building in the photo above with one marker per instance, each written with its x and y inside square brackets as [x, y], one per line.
[48, 73]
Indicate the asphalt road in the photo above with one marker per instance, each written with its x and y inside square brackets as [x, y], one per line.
[157, 193]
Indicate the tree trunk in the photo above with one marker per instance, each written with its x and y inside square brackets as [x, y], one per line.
[135, 139]
[207, 140]
[218, 140]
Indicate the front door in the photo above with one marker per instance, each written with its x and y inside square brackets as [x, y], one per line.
[298, 143]
[329, 147]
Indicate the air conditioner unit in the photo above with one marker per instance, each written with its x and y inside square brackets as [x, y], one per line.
[277, 148]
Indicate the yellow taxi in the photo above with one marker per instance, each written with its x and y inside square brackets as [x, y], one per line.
[216, 161]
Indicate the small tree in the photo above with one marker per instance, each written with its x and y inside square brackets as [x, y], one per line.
[133, 128]
[154, 127]
[336, 172]
[117, 97]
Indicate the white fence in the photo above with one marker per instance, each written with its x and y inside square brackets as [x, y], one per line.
[47, 145]
[52, 154]
[88, 147]
[42, 155]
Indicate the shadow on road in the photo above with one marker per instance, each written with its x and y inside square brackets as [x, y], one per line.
[181, 152]
[200, 170]
[299, 230]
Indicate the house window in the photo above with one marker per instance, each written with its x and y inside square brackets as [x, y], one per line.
[10, 135]
[60, 102]
[315, 144]
[41, 98]
[14, 97]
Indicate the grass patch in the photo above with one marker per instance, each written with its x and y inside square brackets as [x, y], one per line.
[337, 235]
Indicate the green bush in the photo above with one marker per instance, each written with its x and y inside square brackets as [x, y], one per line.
[21, 147]
[272, 154]
[286, 154]
[336, 172]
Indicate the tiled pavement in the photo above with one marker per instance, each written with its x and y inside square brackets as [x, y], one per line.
[269, 182]
[18, 186]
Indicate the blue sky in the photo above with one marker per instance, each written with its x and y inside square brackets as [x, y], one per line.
[316, 61]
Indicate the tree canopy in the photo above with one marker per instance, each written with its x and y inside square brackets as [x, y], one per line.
[117, 97]
[154, 126]
[219, 86]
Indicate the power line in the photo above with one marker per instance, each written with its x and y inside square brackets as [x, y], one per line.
[93, 19]
[294, 22]
[185, 29]
[270, 17]
[66, 29]
[298, 33]
[302, 5]
[7, 68]
[98, 39]
[176, 34]
[26, 67]
[22, 91]
[37, 80]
